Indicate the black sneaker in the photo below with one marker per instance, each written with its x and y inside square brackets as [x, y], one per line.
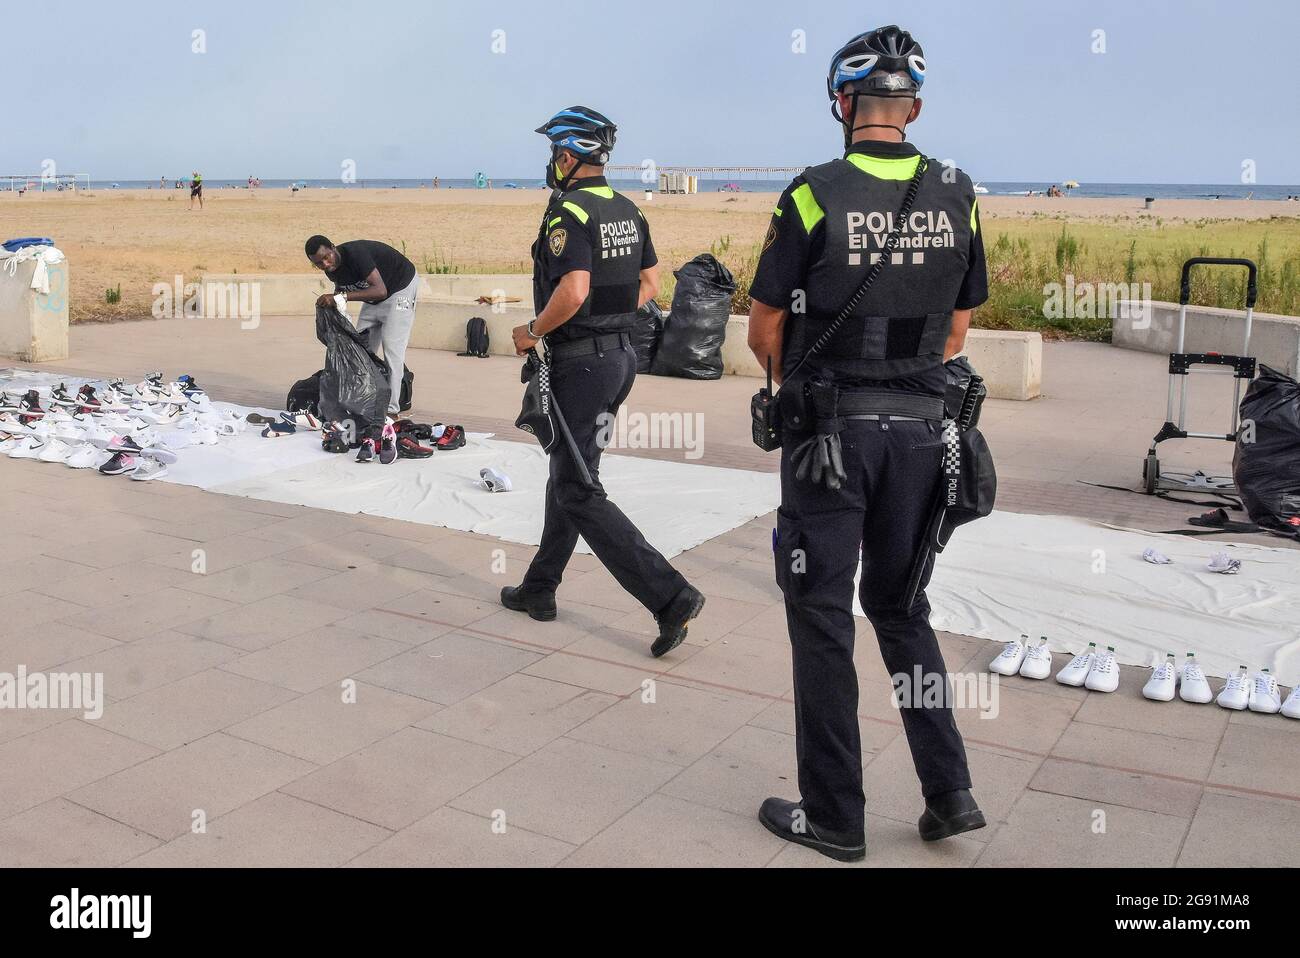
[674, 619]
[538, 605]
[30, 407]
[367, 451]
[7, 404]
[950, 814]
[125, 444]
[122, 462]
[786, 820]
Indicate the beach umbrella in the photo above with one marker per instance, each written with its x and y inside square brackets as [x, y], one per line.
[1071, 184]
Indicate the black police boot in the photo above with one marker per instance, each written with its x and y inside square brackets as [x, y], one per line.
[786, 820]
[674, 618]
[538, 605]
[950, 814]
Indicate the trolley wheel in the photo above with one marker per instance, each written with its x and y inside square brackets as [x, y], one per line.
[1150, 474]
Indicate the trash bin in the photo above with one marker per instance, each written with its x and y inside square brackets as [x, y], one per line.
[1151, 201]
[34, 304]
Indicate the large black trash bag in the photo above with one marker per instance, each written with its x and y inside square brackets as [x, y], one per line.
[1266, 463]
[354, 383]
[645, 335]
[691, 346]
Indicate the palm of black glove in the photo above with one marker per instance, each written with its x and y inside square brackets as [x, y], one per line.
[819, 459]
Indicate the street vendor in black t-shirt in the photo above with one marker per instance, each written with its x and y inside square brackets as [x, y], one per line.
[385, 283]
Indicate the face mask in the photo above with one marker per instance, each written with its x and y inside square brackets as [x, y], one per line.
[555, 178]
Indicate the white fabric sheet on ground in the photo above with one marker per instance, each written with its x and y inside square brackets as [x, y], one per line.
[676, 505]
[1044, 575]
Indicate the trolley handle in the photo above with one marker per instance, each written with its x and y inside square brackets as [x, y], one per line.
[1185, 288]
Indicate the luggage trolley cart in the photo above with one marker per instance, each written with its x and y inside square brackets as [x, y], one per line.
[1181, 366]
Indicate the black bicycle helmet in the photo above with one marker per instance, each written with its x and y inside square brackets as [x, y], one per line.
[584, 132]
[881, 62]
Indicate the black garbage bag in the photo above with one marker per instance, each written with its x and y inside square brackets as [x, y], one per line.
[645, 336]
[1266, 462]
[691, 346]
[354, 383]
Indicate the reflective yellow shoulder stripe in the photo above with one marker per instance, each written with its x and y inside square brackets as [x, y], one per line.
[974, 222]
[578, 212]
[778, 211]
[553, 222]
[806, 204]
[886, 167]
[604, 192]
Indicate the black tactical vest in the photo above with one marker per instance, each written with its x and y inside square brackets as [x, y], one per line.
[901, 325]
[617, 231]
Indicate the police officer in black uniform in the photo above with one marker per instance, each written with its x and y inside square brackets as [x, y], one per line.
[593, 268]
[861, 449]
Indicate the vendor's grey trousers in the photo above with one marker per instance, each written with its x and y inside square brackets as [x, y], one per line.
[389, 324]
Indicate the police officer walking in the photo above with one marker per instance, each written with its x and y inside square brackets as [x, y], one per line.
[861, 403]
[593, 268]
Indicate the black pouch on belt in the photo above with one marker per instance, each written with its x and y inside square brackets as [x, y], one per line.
[819, 458]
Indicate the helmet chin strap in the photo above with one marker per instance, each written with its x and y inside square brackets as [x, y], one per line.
[850, 127]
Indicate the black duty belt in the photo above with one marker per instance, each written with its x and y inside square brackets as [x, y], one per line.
[595, 346]
[863, 403]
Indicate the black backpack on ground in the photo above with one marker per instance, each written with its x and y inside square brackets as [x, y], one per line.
[476, 338]
[407, 396]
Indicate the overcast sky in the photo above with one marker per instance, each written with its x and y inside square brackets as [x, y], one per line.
[1184, 92]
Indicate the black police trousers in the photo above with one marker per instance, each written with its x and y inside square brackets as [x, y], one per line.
[585, 387]
[893, 475]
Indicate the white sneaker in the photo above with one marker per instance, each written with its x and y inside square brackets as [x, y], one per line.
[1009, 659]
[1264, 694]
[1163, 682]
[27, 448]
[1038, 661]
[56, 450]
[1076, 673]
[149, 468]
[1103, 676]
[1291, 707]
[164, 415]
[86, 456]
[1193, 686]
[1236, 693]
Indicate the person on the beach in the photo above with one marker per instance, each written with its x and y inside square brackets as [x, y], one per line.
[594, 266]
[196, 189]
[387, 285]
[861, 406]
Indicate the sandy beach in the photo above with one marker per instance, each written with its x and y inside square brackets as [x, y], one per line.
[136, 238]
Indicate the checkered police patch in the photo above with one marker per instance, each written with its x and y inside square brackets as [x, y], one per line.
[557, 241]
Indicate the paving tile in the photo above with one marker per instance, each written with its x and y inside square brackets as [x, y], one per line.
[322, 727]
[575, 622]
[450, 838]
[890, 844]
[167, 608]
[1046, 830]
[216, 775]
[50, 762]
[664, 832]
[256, 580]
[33, 571]
[679, 725]
[590, 673]
[597, 786]
[132, 546]
[223, 554]
[1242, 831]
[449, 668]
[323, 656]
[1138, 751]
[50, 645]
[740, 772]
[743, 663]
[1111, 787]
[59, 834]
[876, 733]
[190, 708]
[1025, 720]
[100, 587]
[130, 668]
[274, 831]
[519, 714]
[440, 608]
[1259, 756]
[265, 622]
[1127, 709]
[28, 610]
[348, 551]
[402, 778]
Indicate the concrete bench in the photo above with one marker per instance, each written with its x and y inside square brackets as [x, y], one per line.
[1275, 340]
[1010, 362]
